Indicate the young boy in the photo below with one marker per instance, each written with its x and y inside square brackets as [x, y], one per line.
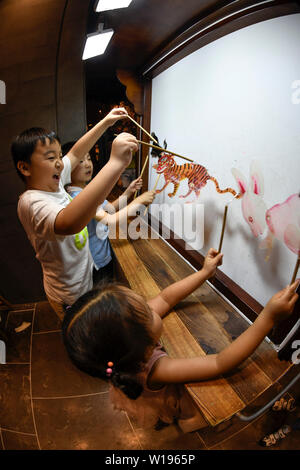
[55, 224]
[108, 214]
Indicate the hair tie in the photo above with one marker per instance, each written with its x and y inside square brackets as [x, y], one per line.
[109, 369]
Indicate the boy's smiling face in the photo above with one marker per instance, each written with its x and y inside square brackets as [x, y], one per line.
[44, 170]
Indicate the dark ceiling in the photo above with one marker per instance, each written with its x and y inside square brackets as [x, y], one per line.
[140, 31]
[145, 27]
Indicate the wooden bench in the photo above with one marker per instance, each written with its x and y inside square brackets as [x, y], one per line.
[204, 323]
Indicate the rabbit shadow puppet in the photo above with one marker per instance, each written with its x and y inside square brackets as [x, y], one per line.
[281, 221]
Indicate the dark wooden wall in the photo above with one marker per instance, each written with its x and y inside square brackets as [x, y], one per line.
[40, 63]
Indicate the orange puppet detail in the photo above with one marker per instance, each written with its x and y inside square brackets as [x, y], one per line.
[196, 174]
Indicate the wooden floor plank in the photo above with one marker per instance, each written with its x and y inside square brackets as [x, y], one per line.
[215, 403]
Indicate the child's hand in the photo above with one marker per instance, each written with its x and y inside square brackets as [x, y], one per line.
[212, 260]
[114, 115]
[122, 148]
[135, 185]
[145, 198]
[282, 304]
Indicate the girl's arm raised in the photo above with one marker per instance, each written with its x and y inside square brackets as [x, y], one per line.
[132, 188]
[178, 291]
[170, 370]
[128, 211]
[88, 140]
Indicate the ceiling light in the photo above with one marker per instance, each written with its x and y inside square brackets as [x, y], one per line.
[104, 5]
[96, 43]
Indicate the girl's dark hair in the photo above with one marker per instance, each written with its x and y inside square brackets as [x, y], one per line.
[24, 144]
[109, 324]
[67, 147]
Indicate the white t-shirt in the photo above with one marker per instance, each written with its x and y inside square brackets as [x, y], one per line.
[66, 260]
[98, 235]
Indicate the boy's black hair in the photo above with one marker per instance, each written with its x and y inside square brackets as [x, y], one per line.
[109, 324]
[25, 143]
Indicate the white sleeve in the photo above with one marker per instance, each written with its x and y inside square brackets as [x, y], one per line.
[38, 217]
[66, 173]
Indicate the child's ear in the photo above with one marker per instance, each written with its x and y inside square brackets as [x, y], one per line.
[24, 168]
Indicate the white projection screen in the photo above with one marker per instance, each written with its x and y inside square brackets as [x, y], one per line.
[235, 101]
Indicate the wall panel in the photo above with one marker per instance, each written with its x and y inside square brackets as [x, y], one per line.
[38, 81]
[223, 106]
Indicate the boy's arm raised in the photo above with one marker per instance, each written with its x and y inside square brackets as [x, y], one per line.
[88, 140]
[73, 218]
[170, 370]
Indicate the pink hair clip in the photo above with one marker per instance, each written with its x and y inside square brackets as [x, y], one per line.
[109, 369]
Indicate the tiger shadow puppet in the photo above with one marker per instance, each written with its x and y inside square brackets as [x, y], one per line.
[196, 174]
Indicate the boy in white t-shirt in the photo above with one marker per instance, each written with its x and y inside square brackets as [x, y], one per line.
[55, 224]
[109, 214]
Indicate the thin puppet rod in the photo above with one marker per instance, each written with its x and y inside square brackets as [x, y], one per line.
[166, 151]
[223, 228]
[146, 132]
[296, 269]
[224, 220]
[151, 137]
[144, 166]
[297, 265]
[163, 150]
[156, 183]
[143, 169]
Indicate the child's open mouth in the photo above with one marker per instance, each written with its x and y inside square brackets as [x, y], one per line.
[56, 177]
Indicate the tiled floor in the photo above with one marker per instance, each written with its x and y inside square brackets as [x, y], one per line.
[45, 403]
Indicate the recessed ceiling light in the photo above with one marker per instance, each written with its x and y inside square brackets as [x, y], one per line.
[96, 43]
[104, 5]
